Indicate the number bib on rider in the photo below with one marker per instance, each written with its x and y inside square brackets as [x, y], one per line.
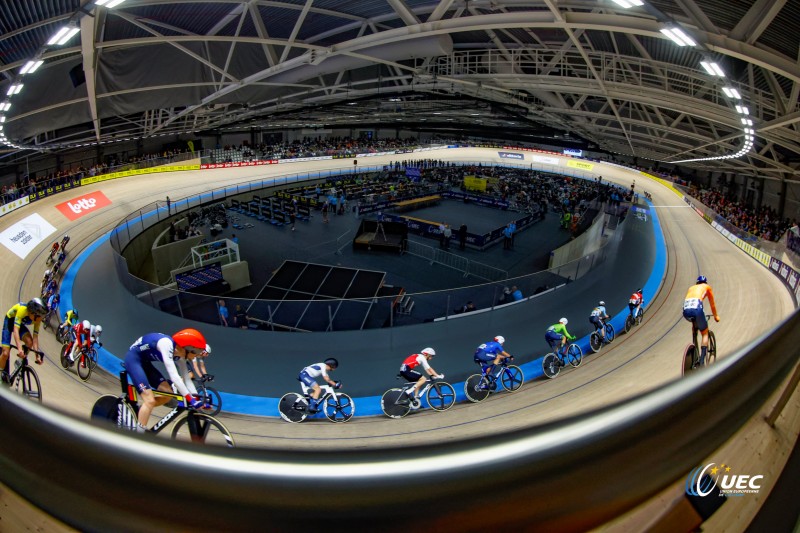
[692, 303]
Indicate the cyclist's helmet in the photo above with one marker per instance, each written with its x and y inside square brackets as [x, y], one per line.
[564, 321]
[190, 340]
[429, 352]
[702, 279]
[98, 329]
[331, 362]
[75, 314]
[47, 272]
[500, 339]
[639, 291]
[602, 302]
[36, 307]
[208, 349]
[86, 324]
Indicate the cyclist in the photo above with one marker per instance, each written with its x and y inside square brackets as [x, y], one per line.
[61, 258]
[15, 329]
[308, 380]
[94, 334]
[81, 339]
[197, 366]
[53, 251]
[491, 353]
[185, 344]
[70, 318]
[635, 302]
[52, 303]
[407, 370]
[557, 335]
[599, 317]
[64, 242]
[48, 275]
[50, 289]
[694, 313]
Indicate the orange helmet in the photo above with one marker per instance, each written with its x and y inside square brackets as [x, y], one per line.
[190, 339]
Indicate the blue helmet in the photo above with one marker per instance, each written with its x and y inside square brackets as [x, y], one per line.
[701, 279]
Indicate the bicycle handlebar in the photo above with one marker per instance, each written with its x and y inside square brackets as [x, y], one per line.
[26, 350]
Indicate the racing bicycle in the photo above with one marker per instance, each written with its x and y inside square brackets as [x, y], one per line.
[691, 356]
[24, 379]
[552, 362]
[439, 394]
[190, 425]
[477, 387]
[86, 360]
[337, 406]
[631, 321]
[596, 340]
[212, 401]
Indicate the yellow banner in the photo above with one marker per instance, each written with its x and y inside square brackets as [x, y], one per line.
[583, 165]
[472, 183]
[137, 172]
[663, 182]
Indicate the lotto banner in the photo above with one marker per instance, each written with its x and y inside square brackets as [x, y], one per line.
[82, 205]
[22, 237]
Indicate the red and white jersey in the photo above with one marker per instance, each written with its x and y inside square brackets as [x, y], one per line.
[636, 298]
[82, 335]
[414, 360]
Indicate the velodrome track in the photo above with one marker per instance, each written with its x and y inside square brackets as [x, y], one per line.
[750, 301]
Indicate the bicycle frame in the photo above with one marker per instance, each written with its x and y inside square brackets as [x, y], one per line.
[131, 396]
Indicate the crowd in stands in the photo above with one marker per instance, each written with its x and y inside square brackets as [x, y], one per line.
[315, 147]
[31, 184]
[762, 222]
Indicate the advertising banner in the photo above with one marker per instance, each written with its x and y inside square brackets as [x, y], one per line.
[483, 200]
[583, 165]
[474, 183]
[22, 237]
[545, 160]
[82, 205]
[11, 206]
[206, 166]
[511, 155]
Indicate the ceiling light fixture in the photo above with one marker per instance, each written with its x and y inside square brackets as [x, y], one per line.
[730, 92]
[678, 36]
[743, 110]
[627, 4]
[109, 3]
[712, 68]
[63, 35]
[14, 89]
[31, 67]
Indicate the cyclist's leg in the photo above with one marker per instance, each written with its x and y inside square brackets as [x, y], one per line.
[140, 373]
[6, 343]
[631, 308]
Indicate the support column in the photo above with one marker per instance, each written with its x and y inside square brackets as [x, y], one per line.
[782, 199]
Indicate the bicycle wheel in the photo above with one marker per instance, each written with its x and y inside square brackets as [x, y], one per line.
[639, 316]
[293, 407]
[688, 360]
[84, 367]
[441, 396]
[339, 409]
[394, 403]
[93, 358]
[595, 342]
[575, 355]
[211, 397]
[512, 378]
[64, 360]
[628, 323]
[476, 388]
[550, 365]
[210, 431]
[610, 333]
[62, 333]
[27, 384]
[711, 353]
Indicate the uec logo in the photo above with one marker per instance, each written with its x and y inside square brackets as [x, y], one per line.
[701, 483]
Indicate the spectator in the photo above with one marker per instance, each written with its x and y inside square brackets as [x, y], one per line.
[242, 320]
[325, 208]
[441, 235]
[447, 234]
[234, 238]
[462, 237]
[169, 203]
[223, 313]
[513, 227]
[516, 294]
[292, 217]
[507, 237]
[505, 297]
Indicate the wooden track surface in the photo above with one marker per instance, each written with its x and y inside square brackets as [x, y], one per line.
[750, 302]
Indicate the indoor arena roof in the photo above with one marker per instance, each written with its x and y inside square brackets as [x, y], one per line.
[593, 72]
